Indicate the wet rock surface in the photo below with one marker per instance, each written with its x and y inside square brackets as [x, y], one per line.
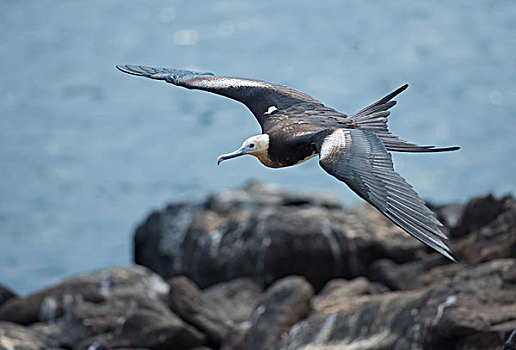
[260, 268]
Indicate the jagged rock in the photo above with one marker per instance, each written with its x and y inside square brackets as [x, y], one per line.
[403, 276]
[510, 344]
[237, 339]
[99, 307]
[264, 233]
[476, 309]
[435, 275]
[365, 322]
[491, 237]
[95, 288]
[98, 343]
[148, 329]
[187, 300]
[477, 213]
[286, 302]
[236, 299]
[340, 291]
[479, 311]
[14, 336]
[50, 303]
[5, 294]
[342, 288]
[93, 345]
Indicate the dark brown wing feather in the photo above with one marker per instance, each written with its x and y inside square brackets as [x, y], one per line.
[360, 159]
[261, 97]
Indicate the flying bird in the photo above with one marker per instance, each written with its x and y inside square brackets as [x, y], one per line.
[354, 149]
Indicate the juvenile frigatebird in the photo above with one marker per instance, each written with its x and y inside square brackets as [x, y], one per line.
[354, 149]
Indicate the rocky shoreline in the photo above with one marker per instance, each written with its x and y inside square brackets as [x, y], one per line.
[261, 268]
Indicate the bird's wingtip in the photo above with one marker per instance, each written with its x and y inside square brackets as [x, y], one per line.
[450, 257]
[451, 148]
[445, 251]
[441, 149]
[140, 71]
[395, 93]
[402, 88]
[124, 68]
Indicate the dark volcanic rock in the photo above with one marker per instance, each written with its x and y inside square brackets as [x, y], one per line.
[341, 291]
[403, 276]
[476, 309]
[5, 294]
[286, 302]
[120, 307]
[495, 239]
[49, 304]
[510, 344]
[13, 336]
[147, 329]
[477, 213]
[186, 300]
[264, 233]
[236, 299]
[95, 288]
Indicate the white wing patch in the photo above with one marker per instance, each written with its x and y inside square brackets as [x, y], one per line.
[226, 83]
[336, 139]
[271, 109]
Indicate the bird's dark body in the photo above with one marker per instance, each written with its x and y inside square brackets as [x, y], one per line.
[354, 149]
[295, 131]
[285, 150]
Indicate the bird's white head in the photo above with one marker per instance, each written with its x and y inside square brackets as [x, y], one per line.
[255, 145]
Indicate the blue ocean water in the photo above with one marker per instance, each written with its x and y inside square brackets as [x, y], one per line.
[87, 152]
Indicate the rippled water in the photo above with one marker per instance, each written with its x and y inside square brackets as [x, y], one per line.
[87, 152]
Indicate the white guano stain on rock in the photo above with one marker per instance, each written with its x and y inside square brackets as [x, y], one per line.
[452, 299]
[48, 309]
[325, 330]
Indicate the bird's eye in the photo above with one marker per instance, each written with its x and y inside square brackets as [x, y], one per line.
[251, 145]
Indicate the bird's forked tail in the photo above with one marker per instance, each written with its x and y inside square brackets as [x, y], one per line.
[375, 117]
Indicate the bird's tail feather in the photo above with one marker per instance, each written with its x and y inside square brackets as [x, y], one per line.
[375, 117]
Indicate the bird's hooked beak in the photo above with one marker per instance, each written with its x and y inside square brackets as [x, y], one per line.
[239, 152]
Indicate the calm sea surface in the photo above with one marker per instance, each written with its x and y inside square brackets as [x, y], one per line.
[87, 152]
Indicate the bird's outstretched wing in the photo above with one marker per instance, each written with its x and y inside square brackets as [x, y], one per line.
[261, 97]
[359, 158]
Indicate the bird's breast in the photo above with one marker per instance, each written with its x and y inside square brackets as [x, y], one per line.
[268, 162]
[284, 155]
[265, 160]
